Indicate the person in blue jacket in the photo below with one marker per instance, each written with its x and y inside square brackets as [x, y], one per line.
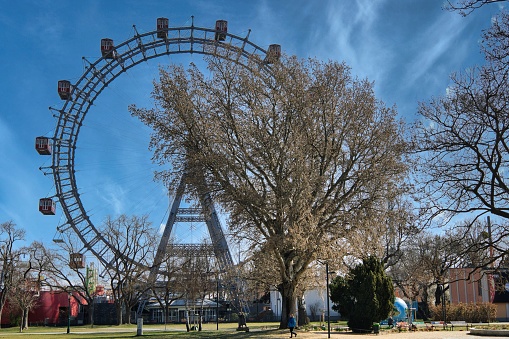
[291, 325]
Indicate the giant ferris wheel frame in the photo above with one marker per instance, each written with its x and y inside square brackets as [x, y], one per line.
[96, 77]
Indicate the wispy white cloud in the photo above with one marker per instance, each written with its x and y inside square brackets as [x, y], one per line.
[5, 132]
[433, 44]
[350, 35]
[113, 197]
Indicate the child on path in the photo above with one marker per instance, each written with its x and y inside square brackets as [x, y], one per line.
[291, 325]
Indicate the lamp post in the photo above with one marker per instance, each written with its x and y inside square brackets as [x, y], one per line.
[257, 303]
[217, 305]
[328, 306]
[280, 309]
[328, 301]
[444, 309]
[277, 309]
[69, 313]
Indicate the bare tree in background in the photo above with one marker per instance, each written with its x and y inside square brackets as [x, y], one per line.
[198, 274]
[132, 239]
[10, 235]
[428, 258]
[462, 140]
[298, 155]
[423, 272]
[27, 279]
[62, 274]
[170, 285]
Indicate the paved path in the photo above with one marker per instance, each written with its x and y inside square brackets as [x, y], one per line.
[280, 334]
[395, 335]
[402, 335]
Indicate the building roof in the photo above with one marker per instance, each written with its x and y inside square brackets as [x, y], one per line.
[207, 303]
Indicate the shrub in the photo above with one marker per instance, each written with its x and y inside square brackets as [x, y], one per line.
[364, 296]
[474, 313]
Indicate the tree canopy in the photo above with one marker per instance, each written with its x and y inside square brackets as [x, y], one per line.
[298, 154]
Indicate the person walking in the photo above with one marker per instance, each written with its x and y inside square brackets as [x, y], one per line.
[291, 325]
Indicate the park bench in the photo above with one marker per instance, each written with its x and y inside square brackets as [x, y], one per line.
[342, 328]
[478, 324]
[436, 325]
[457, 323]
[420, 325]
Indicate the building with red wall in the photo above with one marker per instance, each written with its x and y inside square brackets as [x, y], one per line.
[468, 286]
[480, 286]
[51, 309]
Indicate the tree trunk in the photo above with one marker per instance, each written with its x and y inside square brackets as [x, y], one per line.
[438, 295]
[201, 314]
[119, 313]
[165, 313]
[188, 328]
[288, 304]
[25, 318]
[91, 307]
[424, 306]
[3, 300]
[303, 315]
[127, 318]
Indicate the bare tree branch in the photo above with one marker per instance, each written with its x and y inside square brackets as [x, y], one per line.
[465, 7]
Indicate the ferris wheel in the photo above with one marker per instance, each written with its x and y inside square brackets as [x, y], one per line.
[78, 98]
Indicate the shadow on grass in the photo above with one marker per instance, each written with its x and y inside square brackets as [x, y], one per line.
[150, 335]
[129, 332]
[217, 334]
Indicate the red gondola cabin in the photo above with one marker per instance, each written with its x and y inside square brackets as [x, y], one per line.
[221, 30]
[108, 50]
[47, 206]
[273, 54]
[162, 28]
[77, 260]
[64, 89]
[43, 145]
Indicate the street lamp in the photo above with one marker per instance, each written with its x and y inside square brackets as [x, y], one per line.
[328, 306]
[257, 303]
[217, 305]
[280, 309]
[69, 313]
[328, 301]
[444, 309]
[277, 309]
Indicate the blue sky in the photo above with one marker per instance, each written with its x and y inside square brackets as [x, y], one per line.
[407, 47]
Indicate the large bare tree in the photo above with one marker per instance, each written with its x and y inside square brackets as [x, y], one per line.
[297, 156]
[462, 139]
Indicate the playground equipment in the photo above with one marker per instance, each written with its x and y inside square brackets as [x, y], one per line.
[400, 310]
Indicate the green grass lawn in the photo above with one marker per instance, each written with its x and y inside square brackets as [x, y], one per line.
[226, 330]
[257, 330]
